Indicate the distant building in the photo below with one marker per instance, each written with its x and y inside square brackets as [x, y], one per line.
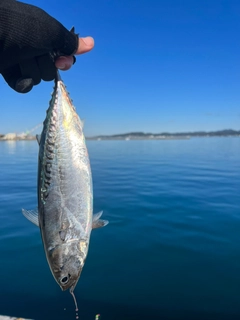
[22, 136]
[10, 136]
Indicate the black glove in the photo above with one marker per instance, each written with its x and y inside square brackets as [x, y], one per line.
[30, 41]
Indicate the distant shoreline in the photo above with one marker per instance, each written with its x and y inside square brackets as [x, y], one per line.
[166, 135]
[140, 136]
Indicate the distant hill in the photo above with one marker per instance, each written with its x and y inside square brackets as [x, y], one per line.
[166, 135]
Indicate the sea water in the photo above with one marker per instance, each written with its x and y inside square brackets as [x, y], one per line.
[170, 251]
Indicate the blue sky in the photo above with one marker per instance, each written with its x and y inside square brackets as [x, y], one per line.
[163, 65]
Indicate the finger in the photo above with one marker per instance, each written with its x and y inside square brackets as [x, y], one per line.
[85, 45]
[14, 79]
[46, 67]
[29, 69]
[64, 63]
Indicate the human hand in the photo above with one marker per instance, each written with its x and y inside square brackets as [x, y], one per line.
[84, 45]
[33, 45]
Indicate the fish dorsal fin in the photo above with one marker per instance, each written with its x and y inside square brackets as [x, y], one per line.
[31, 215]
[82, 122]
[98, 223]
[38, 137]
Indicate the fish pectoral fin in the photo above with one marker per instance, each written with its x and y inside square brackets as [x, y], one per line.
[31, 215]
[99, 223]
[96, 216]
[38, 137]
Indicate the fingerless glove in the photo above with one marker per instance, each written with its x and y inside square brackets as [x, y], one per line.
[30, 40]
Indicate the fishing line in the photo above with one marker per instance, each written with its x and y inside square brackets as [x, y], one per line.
[75, 301]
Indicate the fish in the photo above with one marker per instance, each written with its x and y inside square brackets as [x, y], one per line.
[64, 188]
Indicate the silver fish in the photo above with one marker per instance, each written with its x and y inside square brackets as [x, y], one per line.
[65, 196]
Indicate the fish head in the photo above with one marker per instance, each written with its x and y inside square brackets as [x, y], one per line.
[67, 263]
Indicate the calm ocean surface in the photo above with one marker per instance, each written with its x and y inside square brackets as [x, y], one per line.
[171, 250]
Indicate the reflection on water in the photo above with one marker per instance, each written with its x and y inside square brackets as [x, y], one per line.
[11, 146]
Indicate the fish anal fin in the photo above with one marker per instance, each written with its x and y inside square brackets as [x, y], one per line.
[31, 215]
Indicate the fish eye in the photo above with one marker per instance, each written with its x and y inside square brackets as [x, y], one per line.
[65, 279]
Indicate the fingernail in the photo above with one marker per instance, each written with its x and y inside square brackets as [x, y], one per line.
[61, 65]
[89, 41]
